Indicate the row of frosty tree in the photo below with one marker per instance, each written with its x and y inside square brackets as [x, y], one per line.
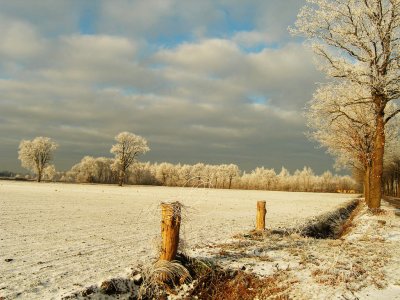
[225, 176]
[358, 43]
[37, 154]
[123, 168]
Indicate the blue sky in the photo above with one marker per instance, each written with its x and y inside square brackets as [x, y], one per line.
[211, 81]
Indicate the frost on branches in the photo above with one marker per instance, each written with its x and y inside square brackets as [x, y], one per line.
[128, 147]
[358, 41]
[36, 155]
[342, 122]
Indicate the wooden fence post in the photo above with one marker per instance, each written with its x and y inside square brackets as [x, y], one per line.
[170, 224]
[261, 211]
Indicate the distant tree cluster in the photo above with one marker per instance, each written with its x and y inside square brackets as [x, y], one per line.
[6, 173]
[224, 176]
[391, 174]
[36, 155]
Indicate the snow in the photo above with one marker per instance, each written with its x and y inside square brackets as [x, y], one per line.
[362, 264]
[63, 237]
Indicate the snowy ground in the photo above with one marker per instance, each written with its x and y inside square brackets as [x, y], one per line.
[363, 264]
[58, 238]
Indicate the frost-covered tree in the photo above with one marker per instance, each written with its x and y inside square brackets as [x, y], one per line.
[232, 171]
[141, 173]
[92, 169]
[35, 155]
[128, 147]
[359, 42]
[49, 173]
[166, 174]
[198, 176]
[345, 130]
[104, 170]
[185, 175]
[86, 170]
[283, 179]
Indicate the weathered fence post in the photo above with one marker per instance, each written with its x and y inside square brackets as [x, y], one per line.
[170, 224]
[261, 211]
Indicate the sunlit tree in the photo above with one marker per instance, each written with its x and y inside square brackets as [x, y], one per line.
[359, 43]
[346, 128]
[128, 147]
[35, 155]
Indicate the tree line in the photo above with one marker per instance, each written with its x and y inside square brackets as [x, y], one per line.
[37, 154]
[224, 176]
[391, 177]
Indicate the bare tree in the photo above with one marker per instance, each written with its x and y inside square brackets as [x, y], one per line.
[347, 131]
[128, 147]
[359, 42]
[232, 172]
[35, 155]
[49, 173]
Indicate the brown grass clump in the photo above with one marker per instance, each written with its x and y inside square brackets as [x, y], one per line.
[161, 277]
[231, 284]
[348, 225]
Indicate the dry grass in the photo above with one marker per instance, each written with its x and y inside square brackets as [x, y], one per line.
[229, 284]
[342, 264]
[162, 277]
[352, 266]
[349, 224]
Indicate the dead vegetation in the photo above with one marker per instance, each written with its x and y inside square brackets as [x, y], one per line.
[210, 281]
[344, 264]
[236, 284]
[330, 225]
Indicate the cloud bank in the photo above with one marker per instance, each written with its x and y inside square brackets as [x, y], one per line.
[211, 81]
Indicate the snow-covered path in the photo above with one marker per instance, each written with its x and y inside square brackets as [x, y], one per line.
[56, 238]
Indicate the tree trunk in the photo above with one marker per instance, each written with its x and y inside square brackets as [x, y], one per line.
[39, 175]
[377, 163]
[121, 178]
[367, 185]
[398, 189]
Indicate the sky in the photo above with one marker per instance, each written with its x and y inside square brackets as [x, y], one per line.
[213, 81]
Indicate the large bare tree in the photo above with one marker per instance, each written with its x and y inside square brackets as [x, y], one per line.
[347, 131]
[128, 147]
[35, 155]
[359, 43]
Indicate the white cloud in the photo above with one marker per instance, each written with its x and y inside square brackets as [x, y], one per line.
[96, 48]
[211, 56]
[19, 40]
[250, 38]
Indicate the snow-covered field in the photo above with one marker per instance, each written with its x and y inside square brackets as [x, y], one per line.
[58, 238]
